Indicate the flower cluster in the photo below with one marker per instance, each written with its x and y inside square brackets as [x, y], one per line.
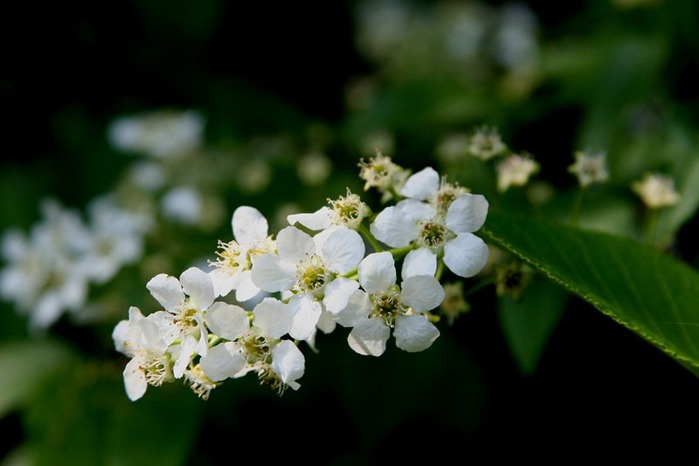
[48, 272]
[266, 294]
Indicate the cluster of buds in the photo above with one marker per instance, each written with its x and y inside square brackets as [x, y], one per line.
[376, 274]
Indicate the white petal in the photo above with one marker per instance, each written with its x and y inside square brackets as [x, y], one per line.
[227, 320]
[358, 308]
[167, 290]
[422, 185]
[223, 281]
[342, 250]
[120, 335]
[203, 341]
[270, 274]
[166, 331]
[248, 225]
[337, 294]
[187, 349]
[422, 292]
[306, 314]
[369, 337]
[288, 362]
[245, 288]
[322, 236]
[414, 333]
[326, 323]
[419, 262]
[197, 284]
[465, 255]
[134, 380]
[318, 220]
[467, 213]
[377, 272]
[222, 361]
[273, 317]
[393, 228]
[294, 245]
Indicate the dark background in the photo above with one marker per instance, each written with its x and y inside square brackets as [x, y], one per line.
[600, 394]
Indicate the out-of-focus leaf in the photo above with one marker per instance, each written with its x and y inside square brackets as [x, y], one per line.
[528, 322]
[82, 416]
[25, 364]
[639, 287]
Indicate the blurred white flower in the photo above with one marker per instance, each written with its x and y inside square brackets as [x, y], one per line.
[656, 190]
[515, 170]
[314, 168]
[45, 274]
[486, 143]
[589, 168]
[116, 238]
[183, 204]
[515, 42]
[160, 134]
[148, 176]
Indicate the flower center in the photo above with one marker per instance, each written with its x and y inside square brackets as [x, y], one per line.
[256, 349]
[156, 369]
[433, 234]
[199, 382]
[387, 305]
[231, 257]
[312, 274]
[349, 211]
[448, 193]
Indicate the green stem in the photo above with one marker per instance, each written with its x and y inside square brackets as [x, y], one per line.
[214, 340]
[651, 226]
[577, 207]
[364, 231]
[399, 253]
[440, 270]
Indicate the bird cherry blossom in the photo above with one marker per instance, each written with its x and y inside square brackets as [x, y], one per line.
[388, 306]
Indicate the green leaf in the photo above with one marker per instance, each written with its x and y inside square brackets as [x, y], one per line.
[528, 322]
[641, 288]
[25, 364]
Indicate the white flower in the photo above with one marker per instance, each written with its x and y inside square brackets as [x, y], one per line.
[515, 170]
[183, 204]
[589, 168]
[310, 266]
[449, 233]
[232, 269]
[186, 299]
[348, 211]
[392, 307]
[254, 348]
[45, 275]
[381, 173]
[160, 134]
[141, 339]
[656, 190]
[116, 239]
[486, 143]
